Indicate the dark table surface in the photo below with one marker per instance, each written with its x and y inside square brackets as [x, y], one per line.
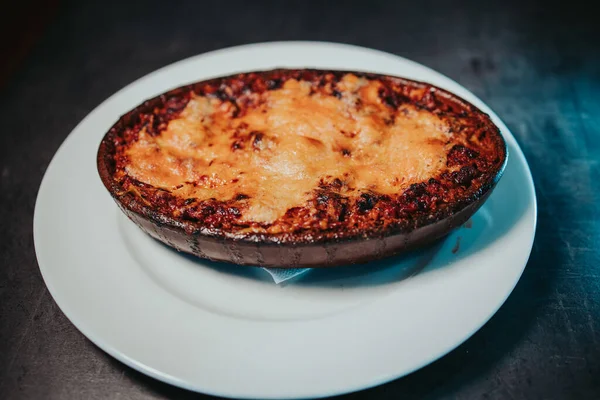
[538, 67]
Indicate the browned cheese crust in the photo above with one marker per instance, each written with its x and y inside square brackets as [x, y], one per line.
[301, 156]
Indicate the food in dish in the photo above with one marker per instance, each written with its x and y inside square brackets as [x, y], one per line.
[301, 168]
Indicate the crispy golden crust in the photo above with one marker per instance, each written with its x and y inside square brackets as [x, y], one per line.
[467, 155]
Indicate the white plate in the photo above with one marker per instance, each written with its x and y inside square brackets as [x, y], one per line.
[227, 330]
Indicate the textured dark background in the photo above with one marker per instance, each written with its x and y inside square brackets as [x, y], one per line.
[536, 65]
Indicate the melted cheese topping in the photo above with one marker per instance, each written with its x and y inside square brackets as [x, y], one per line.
[277, 152]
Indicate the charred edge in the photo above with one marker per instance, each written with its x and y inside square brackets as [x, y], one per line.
[274, 84]
[388, 97]
[366, 202]
[460, 155]
[465, 175]
[335, 184]
[323, 198]
[226, 94]
[416, 198]
[343, 212]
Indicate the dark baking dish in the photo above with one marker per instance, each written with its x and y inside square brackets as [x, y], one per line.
[323, 133]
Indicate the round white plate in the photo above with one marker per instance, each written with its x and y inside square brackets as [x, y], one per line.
[228, 330]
